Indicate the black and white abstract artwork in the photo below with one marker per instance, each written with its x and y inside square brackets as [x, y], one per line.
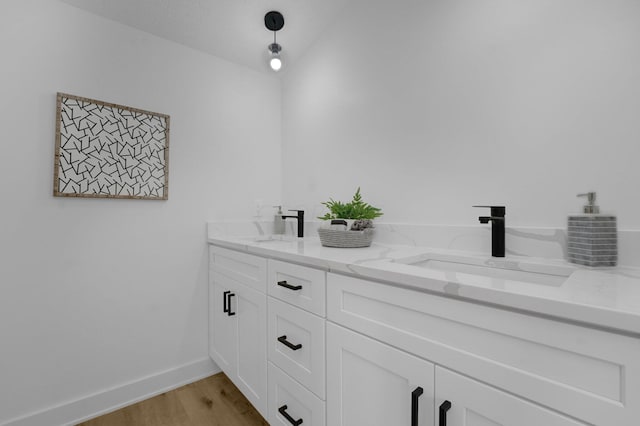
[110, 151]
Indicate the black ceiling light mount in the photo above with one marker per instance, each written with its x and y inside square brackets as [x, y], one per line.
[274, 21]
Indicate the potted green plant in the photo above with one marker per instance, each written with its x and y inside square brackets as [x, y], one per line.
[356, 218]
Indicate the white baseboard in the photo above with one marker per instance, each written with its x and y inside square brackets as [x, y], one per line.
[112, 399]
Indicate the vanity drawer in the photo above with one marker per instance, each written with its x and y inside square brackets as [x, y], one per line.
[244, 268]
[296, 344]
[301, 286]
[590, 374]
[285, 395]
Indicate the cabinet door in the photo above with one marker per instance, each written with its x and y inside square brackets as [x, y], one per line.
[222, 336]
[476, 404]
[250, 307]
[237, 336]
[372, 384]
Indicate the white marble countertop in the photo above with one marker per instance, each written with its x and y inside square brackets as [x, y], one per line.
[605, 298]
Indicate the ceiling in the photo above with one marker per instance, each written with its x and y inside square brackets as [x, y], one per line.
[230, 29]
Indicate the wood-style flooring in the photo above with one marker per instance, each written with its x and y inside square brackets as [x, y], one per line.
[214, 401]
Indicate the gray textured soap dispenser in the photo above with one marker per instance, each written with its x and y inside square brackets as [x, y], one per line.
[593, 237]
[278, 222]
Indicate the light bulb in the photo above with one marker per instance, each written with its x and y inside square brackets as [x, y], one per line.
[275, 63]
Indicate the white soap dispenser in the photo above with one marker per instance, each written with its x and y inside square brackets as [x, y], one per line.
[278, 222]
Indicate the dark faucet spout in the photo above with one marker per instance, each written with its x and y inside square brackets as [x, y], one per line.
[497, 229]
[300, 219]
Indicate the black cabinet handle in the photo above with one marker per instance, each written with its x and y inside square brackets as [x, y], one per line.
[289, 286]
[229, 303]
[414, 405]
[284, 341]
[444, 407]
[225, 305]
[283, 410]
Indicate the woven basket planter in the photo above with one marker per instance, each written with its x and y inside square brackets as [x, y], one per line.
[345, 239]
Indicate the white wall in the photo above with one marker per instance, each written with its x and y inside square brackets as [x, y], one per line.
[98, 293]
[434, 106]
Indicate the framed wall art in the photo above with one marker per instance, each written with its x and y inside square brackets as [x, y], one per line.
[106, 150]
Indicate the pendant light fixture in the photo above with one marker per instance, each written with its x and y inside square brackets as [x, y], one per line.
[274, 21]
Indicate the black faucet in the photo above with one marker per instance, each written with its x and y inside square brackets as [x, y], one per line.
[497, 228]
[300, 218]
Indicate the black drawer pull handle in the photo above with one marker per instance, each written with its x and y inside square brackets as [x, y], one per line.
[229, 307]
[284, 341]
[444, 407]
[414, 405]
[225, 306]
[289, 286]
[283, 410]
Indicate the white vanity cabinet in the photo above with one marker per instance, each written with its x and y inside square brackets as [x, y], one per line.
[507, 364]
[296, 344]
[237, 328]
[315, 348]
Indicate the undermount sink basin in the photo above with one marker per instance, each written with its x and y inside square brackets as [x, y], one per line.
[505, 269]
[269, 239]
